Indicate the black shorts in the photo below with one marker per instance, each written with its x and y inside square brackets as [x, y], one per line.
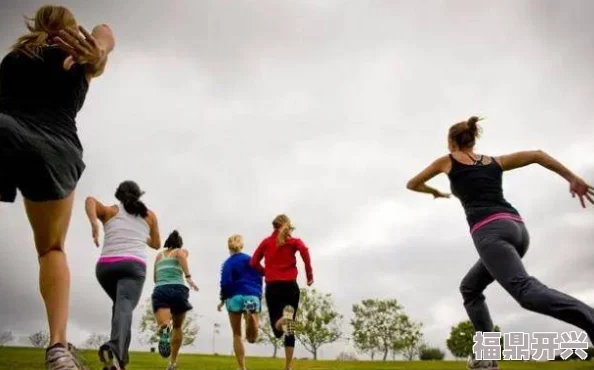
[278, 295]
[41, 165]
[172, 296]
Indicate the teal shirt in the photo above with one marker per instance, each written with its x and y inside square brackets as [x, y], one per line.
[168, 271]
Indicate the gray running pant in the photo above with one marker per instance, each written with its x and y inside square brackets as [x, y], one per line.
[501, 244]
[123, 282]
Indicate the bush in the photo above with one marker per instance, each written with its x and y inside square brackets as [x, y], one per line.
[431, 353]
[346, 356]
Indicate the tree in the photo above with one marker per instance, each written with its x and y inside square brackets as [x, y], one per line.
[267, 335]
[96, 340]
[380, 325]
[40, 339]
[431, 354]
[318, 322]
[412, 338]
[461, 339]
[6, 337]
[148, 327]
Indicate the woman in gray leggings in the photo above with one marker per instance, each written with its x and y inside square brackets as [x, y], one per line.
[498, 232]
[121, 270]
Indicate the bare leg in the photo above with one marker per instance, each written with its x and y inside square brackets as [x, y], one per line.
[49, 221]
[163, 317]
[177, 335]
[235, 320]
[251, 328]
[289, 357]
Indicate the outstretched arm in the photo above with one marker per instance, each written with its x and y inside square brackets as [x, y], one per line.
[418, 183]
[304, 252]
[521, 159]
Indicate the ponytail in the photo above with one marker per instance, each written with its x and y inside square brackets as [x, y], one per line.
[174, 241]
[32, 43]
[465, 133]
[283, 225]
[129, 194]
[283, 234]
[135, 207]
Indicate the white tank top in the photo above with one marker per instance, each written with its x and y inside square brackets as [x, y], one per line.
[126, 236]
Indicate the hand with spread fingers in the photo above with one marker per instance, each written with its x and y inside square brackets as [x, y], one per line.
[580, 188]
[84, 49]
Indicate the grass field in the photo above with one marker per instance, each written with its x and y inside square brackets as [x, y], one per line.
[32, 359]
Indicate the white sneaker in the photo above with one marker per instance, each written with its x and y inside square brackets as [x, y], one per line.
[60, 358]
[288, 322]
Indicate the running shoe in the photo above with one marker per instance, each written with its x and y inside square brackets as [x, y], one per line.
[165, 341]
[250, 307]
[288, 321]
[59, 358]
[108, 358]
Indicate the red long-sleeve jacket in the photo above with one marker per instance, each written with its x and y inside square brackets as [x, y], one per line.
[280, 261]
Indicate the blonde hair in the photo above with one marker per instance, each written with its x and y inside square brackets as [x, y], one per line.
[282, 223]
[47, 22]
[235, 243]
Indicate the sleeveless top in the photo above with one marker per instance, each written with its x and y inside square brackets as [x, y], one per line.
[126, 237]
[40, 93]
[168, 271]
[479, 188]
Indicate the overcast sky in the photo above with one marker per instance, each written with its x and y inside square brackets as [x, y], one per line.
[228, 113]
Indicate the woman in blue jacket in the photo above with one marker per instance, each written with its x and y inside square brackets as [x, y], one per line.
[241, 292]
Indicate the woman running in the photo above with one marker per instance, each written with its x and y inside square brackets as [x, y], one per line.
[280, 273]
[130, 227]
[171, 296]
[499, 234]
[241, 292]
[43, 83]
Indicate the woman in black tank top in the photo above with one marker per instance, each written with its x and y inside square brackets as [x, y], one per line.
[43, 83]
[498, 232]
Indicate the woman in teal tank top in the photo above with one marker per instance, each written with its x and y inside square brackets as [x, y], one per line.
[170, 297]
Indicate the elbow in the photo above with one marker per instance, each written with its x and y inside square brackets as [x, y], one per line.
[539, 156]
[411, 185]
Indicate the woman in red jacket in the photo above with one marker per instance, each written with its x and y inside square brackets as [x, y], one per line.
[280, 273]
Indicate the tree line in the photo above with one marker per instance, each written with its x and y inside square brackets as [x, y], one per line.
[381, 329]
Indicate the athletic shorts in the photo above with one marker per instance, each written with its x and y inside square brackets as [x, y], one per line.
[172, 296]
[236, 304]
[43, 166]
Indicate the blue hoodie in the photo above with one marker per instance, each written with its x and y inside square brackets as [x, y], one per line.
[239, 278]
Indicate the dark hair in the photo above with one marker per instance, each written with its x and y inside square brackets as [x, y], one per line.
[465, 133]
[129, 194]
[174, 241]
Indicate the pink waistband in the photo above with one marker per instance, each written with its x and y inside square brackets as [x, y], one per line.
[115, 259]
[496, 216]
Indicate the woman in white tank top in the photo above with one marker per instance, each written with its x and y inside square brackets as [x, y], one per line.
[130, 228]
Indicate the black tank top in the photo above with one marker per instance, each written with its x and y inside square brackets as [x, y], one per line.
[41, 93]
[479, 188]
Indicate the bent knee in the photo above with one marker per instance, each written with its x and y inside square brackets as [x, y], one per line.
[42, 250]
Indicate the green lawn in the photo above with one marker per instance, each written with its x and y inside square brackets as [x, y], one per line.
[32, 359]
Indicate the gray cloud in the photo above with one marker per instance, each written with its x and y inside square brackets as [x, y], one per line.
[228, 113]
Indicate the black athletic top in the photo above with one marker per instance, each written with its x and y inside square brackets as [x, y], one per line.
[479, 188]
[41, 93]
